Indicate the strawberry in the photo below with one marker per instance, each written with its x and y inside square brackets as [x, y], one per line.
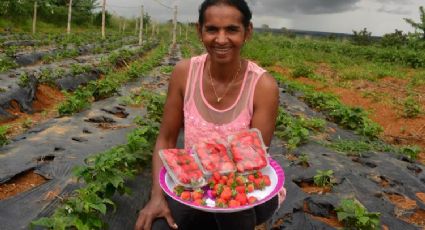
[197, 194]
[226, 194]
[234, 204]
[185, 195]
[240, 189]
[178, 190]
[240, 180]
[241, 197]
[216, 176]
[266, 180]
[250, 187]
[220, 203]
[259, 183]
[199, 202]
[252, 199]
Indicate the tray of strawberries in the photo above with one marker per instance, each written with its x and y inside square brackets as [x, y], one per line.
[228, 193]
[222, 176]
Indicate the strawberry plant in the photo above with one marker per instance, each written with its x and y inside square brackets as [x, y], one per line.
[355, 216]
[75, 102]
[303, 160]
[104, 175]
[324, 178]
[24, 80]
[411, 152]
[291, 129]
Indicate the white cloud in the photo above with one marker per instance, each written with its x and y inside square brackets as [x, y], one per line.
[378, 16]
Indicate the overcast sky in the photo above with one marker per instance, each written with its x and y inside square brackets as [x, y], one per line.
[344, 16]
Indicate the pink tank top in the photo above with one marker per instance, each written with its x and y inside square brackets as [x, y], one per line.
[201, 120]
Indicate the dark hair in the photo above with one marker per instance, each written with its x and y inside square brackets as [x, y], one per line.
[241, 5]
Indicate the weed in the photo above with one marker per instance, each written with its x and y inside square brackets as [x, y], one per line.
[411, 107]
[27, 123]
[166, 69]
[355, 216]
[358, 147]
[303, 71]
[3, 137]
[324, 178]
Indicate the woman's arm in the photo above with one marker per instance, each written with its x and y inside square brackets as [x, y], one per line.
[172, 121]
[266, 103]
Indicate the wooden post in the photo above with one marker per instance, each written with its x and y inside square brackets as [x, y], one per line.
[103, 18]
[34, 19]
[68, 28]
[187, 30]
[153, 30]
[125, 24]
[137, 26]
[174, 25]
[141, 27]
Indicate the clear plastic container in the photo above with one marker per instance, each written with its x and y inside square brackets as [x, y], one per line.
[182, 167]
[248, 150]
[213, 156]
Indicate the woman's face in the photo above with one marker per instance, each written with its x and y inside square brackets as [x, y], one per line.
[223, 32]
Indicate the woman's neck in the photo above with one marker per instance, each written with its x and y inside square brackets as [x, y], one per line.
[224, 72]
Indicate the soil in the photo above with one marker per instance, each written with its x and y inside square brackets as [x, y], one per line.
[421, 196]
[330, 220]
[418, 218]
[44, 104]
[20, 183]
[382, 99]
[402, 202]
[310, 188]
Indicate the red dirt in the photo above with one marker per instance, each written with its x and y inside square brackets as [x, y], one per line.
[313, 189]
[402, 202]
[331, 220]
[418, 218]
[385, 108]
[44, 106]
[421, 196]
[46, 97]
[20, 183]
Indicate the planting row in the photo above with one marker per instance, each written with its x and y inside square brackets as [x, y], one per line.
[13, 59]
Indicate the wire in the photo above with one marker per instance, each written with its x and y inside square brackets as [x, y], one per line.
[162, 4]
[115, 6]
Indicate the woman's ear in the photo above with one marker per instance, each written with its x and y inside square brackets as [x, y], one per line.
[249, 31]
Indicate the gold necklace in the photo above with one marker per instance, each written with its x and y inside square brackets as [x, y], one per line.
[228, 86]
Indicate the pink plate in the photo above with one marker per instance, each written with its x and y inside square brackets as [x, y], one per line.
[275, 172]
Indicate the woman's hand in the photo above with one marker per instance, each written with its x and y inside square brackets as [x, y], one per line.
[281, 195]
[155, 208]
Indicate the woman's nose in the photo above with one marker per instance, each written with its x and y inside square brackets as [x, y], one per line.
[221, 37]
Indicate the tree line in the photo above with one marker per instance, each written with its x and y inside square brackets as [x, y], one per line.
[52, 11]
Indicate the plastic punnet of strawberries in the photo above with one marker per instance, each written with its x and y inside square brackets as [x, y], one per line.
[213, 157]
[227, 191]
[248, 150]
[182, 167]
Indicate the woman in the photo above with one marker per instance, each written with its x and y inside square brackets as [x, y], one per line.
[214, 95]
